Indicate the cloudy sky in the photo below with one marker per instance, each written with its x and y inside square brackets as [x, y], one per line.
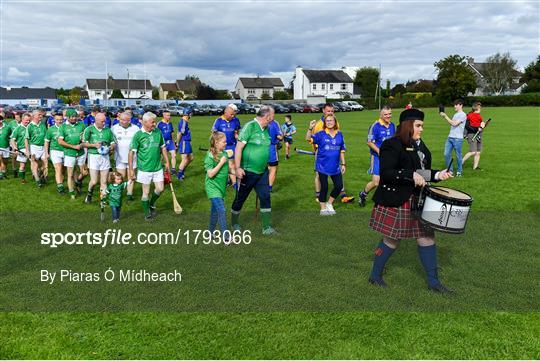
[61, 43]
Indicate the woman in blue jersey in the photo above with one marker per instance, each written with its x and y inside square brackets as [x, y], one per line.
[167, 131]
[330, 160]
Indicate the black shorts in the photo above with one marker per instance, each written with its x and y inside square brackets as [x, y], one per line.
[273, 164]
[287, 140]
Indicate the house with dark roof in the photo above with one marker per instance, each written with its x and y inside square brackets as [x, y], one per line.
[334, 84]
[479, 70]
[187, 86]
[101, 89]
[31, 96]
[254, 88]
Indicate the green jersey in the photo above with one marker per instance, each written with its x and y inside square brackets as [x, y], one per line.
[216, 187]
[35, 133]
[256, 152]
[5, 134]
[52, 137]
[114, 192]
[94, 135]
[72, 134]
[148, 147]
[19, 135]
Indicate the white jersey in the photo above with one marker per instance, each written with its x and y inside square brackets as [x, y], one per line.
[123, 139]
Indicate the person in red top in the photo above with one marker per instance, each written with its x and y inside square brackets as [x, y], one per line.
[473, 125]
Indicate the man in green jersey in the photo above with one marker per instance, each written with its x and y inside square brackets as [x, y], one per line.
[251, 160]
[18, 141]
[70, 138]
[55, 152]
[5, 134]
[100, 142]
[148, 145]
[34, 144]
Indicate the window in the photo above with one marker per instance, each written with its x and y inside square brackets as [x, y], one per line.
[265, 91]
[251, 91]
[314, 86]
[323, 86]
[98, 94]
[331, 86]
[343, 86]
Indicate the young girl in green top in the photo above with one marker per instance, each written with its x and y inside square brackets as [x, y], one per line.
[216, 166]
[114, 193]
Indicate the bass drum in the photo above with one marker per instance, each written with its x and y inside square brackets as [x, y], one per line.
[446, 209]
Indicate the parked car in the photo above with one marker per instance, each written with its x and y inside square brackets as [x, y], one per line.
[354, 105]
[214, 109]
[308, 108]
[278, 108]
[344, 107]
[296, 108]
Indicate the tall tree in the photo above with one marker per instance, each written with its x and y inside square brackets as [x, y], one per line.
[206, 92]
[532, 77]
[117, 94]
[366, 78]
[398, 89]
[499, 72]
[454, 79]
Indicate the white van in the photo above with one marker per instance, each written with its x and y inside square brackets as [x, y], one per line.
[354, 105]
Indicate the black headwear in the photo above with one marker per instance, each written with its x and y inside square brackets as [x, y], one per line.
[411, 114]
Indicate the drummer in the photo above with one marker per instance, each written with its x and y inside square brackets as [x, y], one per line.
[405, 167]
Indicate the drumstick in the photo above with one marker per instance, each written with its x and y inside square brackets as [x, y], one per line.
[478, 132]
[449, 165]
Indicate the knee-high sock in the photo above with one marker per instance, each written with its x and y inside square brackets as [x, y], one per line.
[145, 206]
[382, 254]
[154, 198]
[266, 215]
[428, 257]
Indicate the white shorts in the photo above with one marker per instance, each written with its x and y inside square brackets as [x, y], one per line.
[57, 156]
[70, 161]
[125, 165]
[4, 154]
[149, 177]
[37, 151]
[98, 162]
[21, 158]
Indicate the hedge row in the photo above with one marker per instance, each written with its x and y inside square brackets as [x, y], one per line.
[429, 101]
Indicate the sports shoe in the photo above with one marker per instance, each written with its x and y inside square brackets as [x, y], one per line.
[458, 174]
[287, 156]
[115, 220]
[347, 199]
[148, 218]
[362, 199]
[236, 227]
[269, 232]
[330, 209]
[153, 211]
[180, 175]
[24, 181]
[379, 282]
[325, 212]
[88, 199]
[477, 168]
[72, 197]
[440, 288]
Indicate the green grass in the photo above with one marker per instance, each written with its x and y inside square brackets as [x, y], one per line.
[298, 295]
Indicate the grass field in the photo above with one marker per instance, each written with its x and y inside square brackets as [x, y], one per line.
[302, 294]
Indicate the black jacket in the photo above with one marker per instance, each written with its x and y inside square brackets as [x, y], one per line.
[397, 165]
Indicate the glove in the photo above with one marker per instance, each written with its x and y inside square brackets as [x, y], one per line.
[167, 177]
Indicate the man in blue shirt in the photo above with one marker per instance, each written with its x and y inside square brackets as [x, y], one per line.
[378, 132]
[229, 124]
[275, 137]
[183, 138]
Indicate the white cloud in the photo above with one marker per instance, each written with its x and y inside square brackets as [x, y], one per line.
[14, 73]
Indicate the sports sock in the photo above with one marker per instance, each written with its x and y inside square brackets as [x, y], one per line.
[428, 257]
[2, 175]
[22, 173]
[382, 254]
[235, 216]
[60, 187]
[270, 188]
[154, 198]
[266, 216]
[146, 207]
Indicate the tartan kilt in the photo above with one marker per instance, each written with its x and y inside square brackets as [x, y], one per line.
[399, 222]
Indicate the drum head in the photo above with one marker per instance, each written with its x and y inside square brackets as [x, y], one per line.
[452, 193]
[449, 195]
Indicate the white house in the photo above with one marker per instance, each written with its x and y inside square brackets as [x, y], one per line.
[334, 84]
[254, 88]
[130, 88]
